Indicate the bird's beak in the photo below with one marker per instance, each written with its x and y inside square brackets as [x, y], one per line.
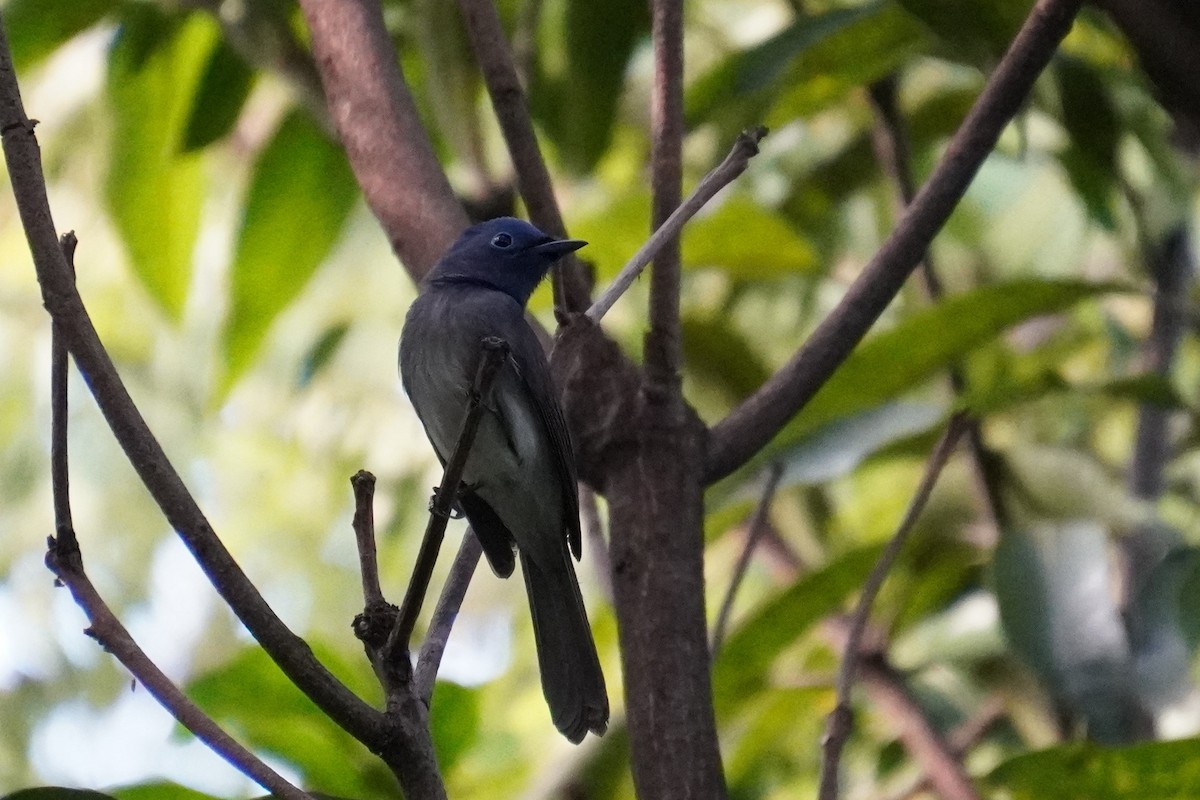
[557, 248]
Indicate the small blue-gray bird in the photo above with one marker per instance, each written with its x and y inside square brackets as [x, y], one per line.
[519, 479]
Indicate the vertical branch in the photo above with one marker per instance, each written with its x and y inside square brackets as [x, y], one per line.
[512, 112]
[663, 347]
[60, 478]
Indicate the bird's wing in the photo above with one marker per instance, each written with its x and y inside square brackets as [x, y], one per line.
[529, 363]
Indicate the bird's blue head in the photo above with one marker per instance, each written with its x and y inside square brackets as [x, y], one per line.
[506, 254]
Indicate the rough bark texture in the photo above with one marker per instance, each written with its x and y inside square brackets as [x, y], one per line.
[647, 458]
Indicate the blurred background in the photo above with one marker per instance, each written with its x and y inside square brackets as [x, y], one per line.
[253, 306]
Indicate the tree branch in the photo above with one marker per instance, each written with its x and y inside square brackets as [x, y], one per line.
[840, 721]
[60, 474]
[437, 635]
[512, 112]
[377, 122]
[364, 536]
[663, 349]
[753, 423]
[733, 165]
[106, 629]
[758, 525]
[145, 454]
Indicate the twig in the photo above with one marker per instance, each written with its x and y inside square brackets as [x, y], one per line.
[755, 421]
[395, 651]
[663, 349]
[66, 562]
[106, 629]
[66, 308]
[893, 151]
[840, 721]
[60, 475]
[755, 529]
[512, 112]
[376, 119]
[364, 536]
[734, 164]
[444, 614]
[961, 740]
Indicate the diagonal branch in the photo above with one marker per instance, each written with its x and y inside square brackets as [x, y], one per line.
[759, 522]
[444, 613]
[377, 122]
[753, 423]
[106, 629]
[395, 651]
[840, 719]
[512, 112]
[733, 165]
[61, 299]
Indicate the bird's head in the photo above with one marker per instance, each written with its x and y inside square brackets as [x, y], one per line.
[506, 253]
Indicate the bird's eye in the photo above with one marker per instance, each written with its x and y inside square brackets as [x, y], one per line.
[502, 240]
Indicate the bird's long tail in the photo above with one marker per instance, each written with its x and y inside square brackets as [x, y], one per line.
[571, 678]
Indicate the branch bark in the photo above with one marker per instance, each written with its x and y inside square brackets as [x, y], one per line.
[377, 122]
[753, 423]
[512, 112]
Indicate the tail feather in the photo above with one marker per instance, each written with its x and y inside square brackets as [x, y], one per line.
[571, 678]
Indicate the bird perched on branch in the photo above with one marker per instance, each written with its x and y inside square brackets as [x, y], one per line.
[519, 481]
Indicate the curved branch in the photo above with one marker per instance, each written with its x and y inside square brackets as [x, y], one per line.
[146, 455]
[377, 122]
[752, 424]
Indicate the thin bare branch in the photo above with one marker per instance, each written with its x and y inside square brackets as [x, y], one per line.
[106, 629]
[512, 111]
[61, 299]
[395, 651]
[734, 164]
[753, 423]
[444, 614]
[840, 721]
[377, 122]
[755, 529]
[961, 740]
[893, 151]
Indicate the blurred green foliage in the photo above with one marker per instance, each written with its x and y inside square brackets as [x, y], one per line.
[253, 306]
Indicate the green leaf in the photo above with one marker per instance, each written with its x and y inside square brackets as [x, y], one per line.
[812, 62]
[260, 706]
[454, 721]
[36, 28]
[223, 90]
[320, 353]
[975, 31]
[160, 791]
[1151, 771]
[713, 351]
[745, 660]
[299, 198]
[1094, 130]
[155, 193]
[577, 102]
[926, 342]
[56, 793]
[747, 241]
[1056, 599]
